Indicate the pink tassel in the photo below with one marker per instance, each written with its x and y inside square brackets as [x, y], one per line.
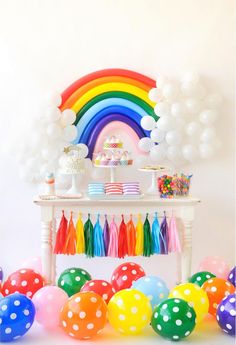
[113, 243]
[174, 241]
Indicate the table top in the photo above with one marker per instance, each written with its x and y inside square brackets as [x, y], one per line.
[146, 200]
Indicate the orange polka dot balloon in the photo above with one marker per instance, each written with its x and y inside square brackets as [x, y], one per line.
[217, 289]
[84, 315]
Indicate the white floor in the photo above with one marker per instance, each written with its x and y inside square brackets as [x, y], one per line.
[208, 333]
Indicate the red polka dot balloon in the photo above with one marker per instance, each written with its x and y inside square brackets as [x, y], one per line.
[217, 289]
[101, 287]
[125, 274]
[25, 281]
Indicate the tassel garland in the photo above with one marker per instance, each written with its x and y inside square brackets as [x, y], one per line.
[114, 241]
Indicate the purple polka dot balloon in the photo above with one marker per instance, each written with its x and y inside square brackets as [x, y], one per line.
[232, 276]
[1, 275]
[226, 313]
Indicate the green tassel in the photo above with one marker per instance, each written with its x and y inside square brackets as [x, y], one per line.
[147, 238]
[88, 238]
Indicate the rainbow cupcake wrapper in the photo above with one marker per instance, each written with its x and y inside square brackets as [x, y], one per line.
[113, 146]
[114, 163]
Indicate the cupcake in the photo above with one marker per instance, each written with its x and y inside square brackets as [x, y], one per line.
[113, 161]
[104, 160]
[124, 159]
[98, 158]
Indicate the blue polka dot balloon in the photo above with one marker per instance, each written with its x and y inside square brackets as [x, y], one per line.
[226, 314]
[16, 316]
[153, 287]
[232, 276]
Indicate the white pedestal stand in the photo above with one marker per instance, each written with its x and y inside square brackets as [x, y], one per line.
[74, 187]
[153, 189]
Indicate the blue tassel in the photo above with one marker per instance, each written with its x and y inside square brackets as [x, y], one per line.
[99, 248]
[156, 235]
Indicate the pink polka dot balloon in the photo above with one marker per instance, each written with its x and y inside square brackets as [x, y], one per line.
[215, 265]
[125, 275]
[48, 302]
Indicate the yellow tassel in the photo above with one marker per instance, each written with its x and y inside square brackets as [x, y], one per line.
[80, 244]
[139, 237]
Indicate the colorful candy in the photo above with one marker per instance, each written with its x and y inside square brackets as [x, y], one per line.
[165, 186]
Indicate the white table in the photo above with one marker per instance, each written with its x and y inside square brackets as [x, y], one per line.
[183, 209]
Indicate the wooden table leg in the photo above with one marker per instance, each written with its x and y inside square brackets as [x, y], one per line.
[46, 243]
[186, 256]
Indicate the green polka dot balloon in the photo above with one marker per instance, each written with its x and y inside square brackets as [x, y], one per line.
[173, 319]
[72, 280]
[200, 278]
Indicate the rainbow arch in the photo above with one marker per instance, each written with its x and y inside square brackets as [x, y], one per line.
[108, 95]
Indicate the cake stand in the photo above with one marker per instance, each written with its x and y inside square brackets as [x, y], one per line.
[153, 189]
[112, 170]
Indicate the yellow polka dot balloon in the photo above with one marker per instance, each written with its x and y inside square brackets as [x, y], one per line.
[195, 296]
[129, 311]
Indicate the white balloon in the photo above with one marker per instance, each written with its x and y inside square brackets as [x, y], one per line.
[53, 114]
[217, 144]
[145, 144]
[208, 135]
[188, 89]
[50, 153]
[155, 95]
[189, 152]
[206, 151]
[180, 123]
[170, 91]
[69, 133]
[166, 123]
[193, 105]
[35, 140]
[190, 77]
[178, 109]
[148, 123]
[173, 137]
[174, 154]
[193, 129]
[83, 152]
[161, 80]
[68, 117]
[214, 100]
[157, 135]
[158, 153]
[53, 130]
[26, 174]
[162, 109]
[208, 117]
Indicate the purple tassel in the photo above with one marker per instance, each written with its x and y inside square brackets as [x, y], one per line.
[106, 235]
[164, 236]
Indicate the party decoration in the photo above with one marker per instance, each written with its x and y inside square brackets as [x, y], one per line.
[139, 236]
[226, 314]
[156, 235]
[101, 287]
[217, 289]
[153, 287]
[48, 302]
[17, 316]
[215, 265]
[195, 296]
[122, 239]
[24, 281]
[106, 235]
[84, 315]
[173, 319]
[34, 263]
[200, 278]
[164, 236]
[186, 116]
[59, 247]
[147, 238]
[129, 311]
[232, 276]
[125, 274]
[80, 242]
[72, 279]
[131, 237]
[89, 238]
[1, 275]
[113, 240]
[99, 249]
[70, 243]
[174, 245]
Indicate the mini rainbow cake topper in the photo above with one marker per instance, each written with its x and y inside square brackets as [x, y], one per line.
[105, 96]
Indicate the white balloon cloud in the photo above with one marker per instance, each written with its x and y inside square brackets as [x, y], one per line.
[184, 129]
[44, 144]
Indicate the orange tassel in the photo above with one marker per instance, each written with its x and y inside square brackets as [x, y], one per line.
[131, 237]
[61, 235]
[70, 245]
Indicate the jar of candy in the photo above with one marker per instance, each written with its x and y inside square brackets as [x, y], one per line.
[165, 186]
[181, 184]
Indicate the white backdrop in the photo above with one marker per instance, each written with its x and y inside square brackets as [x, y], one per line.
[46, 45]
